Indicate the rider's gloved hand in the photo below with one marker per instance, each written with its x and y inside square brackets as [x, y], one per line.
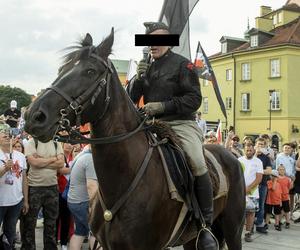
[154, 108]
[141, 69]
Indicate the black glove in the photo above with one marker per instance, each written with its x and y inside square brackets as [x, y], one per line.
[141, 69]
[154, 108]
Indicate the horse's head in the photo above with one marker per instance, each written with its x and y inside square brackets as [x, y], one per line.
[78, 95]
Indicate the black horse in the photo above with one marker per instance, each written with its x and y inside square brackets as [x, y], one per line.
[87, 89]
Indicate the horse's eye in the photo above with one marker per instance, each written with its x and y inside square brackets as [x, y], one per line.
[91, 72]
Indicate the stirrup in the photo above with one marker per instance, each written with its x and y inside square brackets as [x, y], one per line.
[205, 228]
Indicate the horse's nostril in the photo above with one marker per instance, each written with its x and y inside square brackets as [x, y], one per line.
[39, 116]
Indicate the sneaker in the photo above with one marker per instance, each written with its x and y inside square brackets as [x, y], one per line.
[287, 225]
[248, 237]
[297, 220]
[277, 227]
[266, 226]
[261, 230]
[64, 247]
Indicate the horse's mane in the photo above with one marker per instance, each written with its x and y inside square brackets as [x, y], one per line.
[78, 51]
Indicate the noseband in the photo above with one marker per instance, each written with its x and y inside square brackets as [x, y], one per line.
[78, 105]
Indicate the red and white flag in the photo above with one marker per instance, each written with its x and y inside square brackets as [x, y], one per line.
[219, 133]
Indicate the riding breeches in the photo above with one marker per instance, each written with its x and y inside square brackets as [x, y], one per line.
[191, 138]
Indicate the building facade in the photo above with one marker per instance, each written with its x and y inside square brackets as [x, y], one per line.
[259, 77]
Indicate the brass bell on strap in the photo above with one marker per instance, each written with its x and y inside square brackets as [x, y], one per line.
[107, 215]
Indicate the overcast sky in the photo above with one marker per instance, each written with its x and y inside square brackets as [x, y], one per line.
[33, 32]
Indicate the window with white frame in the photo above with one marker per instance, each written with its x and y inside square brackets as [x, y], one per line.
[254, 41]
[275, 100]
[205, 82]
[245, 71]
[228, 103]
[205, 105]
[245, 101]
[224, 47]
[228, 74]
[275, 67]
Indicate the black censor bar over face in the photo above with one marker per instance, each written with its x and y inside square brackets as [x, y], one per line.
[156, 40]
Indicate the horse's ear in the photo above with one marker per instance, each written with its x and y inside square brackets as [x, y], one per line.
[104, 49]
[87, 41]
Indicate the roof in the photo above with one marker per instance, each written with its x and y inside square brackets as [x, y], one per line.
[256, 31]
[292, 5]
[285, 34]
[120, 65]
[293, 2]
[223, 38]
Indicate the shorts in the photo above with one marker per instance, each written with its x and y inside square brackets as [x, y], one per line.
[285, 206]
[269, 209]
[252, 204]
[80, 213]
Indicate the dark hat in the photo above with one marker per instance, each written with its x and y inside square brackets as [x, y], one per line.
[236, 138]
[152, 26]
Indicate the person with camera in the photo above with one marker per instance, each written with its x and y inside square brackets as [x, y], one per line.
[13, 187]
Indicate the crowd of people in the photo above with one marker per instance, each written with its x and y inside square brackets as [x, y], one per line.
[36, 177]
[60, 179]
[272, 178]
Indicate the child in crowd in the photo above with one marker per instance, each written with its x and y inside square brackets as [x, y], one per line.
[286, 184]
[273, 201]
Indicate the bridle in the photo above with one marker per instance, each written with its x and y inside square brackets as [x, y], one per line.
[78, 105]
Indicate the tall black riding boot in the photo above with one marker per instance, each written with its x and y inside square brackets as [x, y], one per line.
[204, 194]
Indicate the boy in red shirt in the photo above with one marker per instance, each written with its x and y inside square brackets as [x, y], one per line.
[274, 199]
[286, 184]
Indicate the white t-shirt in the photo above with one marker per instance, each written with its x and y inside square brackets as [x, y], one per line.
[11, 195]
[251, 168]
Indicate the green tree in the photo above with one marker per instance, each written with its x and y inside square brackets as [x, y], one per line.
[7, 93]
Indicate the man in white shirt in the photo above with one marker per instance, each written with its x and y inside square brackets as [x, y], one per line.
[253, 172]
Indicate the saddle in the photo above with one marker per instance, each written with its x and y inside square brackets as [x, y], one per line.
[178, 163]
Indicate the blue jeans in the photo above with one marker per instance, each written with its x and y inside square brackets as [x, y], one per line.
[9, 216]
[262, 189]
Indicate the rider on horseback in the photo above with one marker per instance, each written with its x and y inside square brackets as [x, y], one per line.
[171, 90]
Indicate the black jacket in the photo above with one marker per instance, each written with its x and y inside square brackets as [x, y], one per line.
[172, 80]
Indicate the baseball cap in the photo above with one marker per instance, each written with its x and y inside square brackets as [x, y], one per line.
[13, 104]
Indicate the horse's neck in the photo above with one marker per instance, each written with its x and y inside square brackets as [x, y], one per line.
[117, 163]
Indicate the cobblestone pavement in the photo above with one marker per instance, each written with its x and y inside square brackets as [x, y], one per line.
[286, 239]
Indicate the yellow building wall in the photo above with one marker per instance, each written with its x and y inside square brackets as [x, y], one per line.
[289, 16]
[226, 89]
[256, 121]
[263, 23]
